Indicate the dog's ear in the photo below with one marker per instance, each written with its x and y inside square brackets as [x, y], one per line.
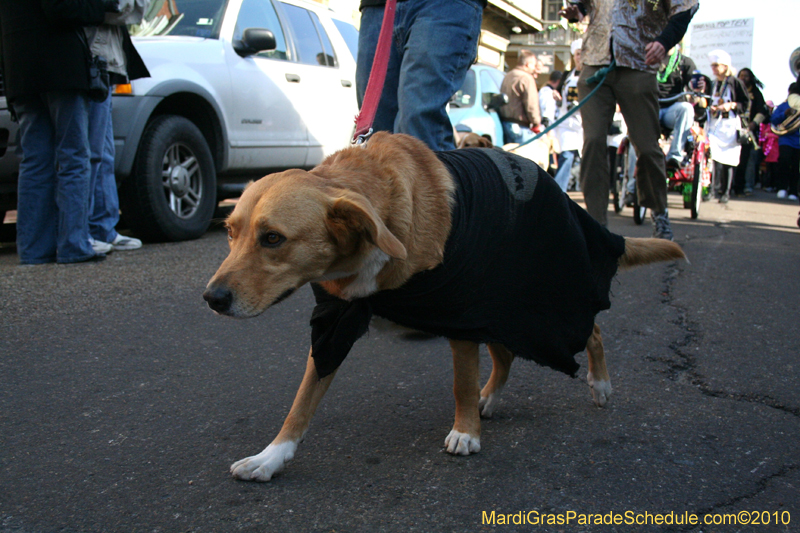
[351, 214]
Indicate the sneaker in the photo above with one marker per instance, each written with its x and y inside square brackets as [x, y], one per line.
[792, 197]
[673, 164]
[748, 191]
[123, 243]
[661, 226]
[781, 194]
[100, 247]
[724, 199]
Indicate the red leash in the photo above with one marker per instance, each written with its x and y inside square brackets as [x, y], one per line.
[377, 76]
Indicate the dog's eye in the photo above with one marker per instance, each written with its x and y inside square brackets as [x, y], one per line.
[230, 235]
[272, 239]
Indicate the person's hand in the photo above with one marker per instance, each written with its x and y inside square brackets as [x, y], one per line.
[654, 53]
[570, 12]
[556, 96]
[537, 129]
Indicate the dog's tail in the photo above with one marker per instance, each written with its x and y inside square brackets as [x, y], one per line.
[644, 251]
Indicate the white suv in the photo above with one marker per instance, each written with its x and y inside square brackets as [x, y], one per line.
[239, 88]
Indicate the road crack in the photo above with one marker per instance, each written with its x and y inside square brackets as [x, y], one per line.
[683, 366]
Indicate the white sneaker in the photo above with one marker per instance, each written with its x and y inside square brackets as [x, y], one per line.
[792, 197]
[781, 194]
[123, 243]
[100, 247]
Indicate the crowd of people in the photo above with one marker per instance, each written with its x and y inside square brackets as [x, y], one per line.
[60, 60]
[749, 147]
[67, 201]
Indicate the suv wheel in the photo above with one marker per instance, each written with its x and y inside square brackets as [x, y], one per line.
[172, 193]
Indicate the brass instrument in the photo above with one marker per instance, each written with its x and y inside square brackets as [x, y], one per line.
[792, 121]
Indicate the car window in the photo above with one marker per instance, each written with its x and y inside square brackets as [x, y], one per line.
[488, 84]
[330, 55]
[465, 96]
[195, 18]
[307, 37]
[349, 34]
[498, 77]
[261, 14]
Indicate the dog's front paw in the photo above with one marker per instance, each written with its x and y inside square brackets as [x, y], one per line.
[459, 443]
[266, 464]
[601, 390]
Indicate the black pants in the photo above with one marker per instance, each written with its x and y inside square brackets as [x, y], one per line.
[788, 169]
[741, 169]
[723, 179]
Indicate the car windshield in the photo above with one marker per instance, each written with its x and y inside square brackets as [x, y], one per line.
[465, 96]
[195, 18]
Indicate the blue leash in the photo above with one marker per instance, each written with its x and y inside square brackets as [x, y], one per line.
[597, 78]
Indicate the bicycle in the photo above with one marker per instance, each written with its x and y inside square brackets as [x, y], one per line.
[693, 180]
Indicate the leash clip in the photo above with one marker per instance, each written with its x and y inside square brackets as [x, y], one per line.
[363, 138]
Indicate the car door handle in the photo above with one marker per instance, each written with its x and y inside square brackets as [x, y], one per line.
[347, 83]
[293, 78]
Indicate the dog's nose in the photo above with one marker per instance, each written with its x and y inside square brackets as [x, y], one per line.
[219, 298]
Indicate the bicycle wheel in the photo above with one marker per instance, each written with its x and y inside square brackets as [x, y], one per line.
[620, 179]
[697, 189]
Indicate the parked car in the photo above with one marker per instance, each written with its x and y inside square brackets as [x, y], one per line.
[474, 107]
[238, 89]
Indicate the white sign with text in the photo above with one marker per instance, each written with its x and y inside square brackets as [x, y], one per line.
[734, 36]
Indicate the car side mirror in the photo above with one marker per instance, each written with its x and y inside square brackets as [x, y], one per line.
[255, 40]
[494, 101]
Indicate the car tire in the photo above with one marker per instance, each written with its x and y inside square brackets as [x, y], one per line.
[171, 195]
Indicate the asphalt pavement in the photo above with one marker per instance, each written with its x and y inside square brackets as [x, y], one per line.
[124, 400]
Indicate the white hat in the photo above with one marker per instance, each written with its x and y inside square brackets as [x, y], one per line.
[720, 56]
[576, 45]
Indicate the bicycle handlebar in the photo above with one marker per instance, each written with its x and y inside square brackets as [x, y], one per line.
[681, 95]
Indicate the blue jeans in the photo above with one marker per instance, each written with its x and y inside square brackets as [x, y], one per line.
[678, 117]
[565, 161]
[53, 190]
[514, 133]
[104, 201]
[434, 44]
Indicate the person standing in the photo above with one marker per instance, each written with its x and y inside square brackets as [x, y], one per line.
[636, 34]
[673, 78]
[569, 134]
[785, 123]
[47, 78]
[112, 42]
[745, 177]
[434, 43]
[729, 101]
[521, 116]
[549, 98]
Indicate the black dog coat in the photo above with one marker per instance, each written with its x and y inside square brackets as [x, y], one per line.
[524, 266]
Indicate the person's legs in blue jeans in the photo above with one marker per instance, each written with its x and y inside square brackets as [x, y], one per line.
[565, 160]
[440, 43]
[104, 203]
[37, 215]
[678, 117]
[53, 195]
[70, 114]
[434, 42]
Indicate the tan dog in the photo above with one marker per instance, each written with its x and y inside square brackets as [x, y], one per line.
[365, 221]
[473, 140]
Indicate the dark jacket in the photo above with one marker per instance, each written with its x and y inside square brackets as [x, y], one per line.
[40, 47]
[524, 266]
[676, 80]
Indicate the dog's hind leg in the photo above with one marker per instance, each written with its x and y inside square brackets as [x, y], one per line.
[598, 377]
[465, 437]
[280, 452]
[501, 366]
